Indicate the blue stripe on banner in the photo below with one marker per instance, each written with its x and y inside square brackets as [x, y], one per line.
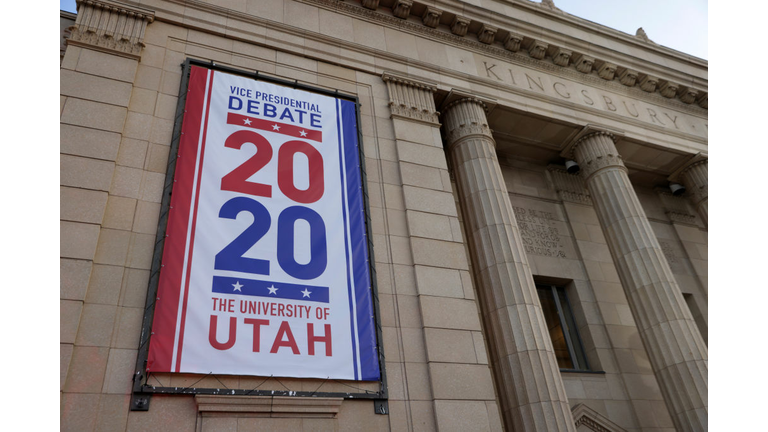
[344, 205]
[366, 326]
[261, 288]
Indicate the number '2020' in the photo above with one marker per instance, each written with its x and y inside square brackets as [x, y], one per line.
[231, 257]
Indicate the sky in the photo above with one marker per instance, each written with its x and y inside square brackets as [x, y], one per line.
[676, 24]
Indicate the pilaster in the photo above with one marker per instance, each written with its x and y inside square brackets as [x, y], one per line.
[676, 349]
[530, 388]
[443, 355]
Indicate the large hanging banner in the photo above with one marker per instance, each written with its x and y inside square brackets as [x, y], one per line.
[265, 266]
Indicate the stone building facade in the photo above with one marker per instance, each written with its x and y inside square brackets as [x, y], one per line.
[513, 294]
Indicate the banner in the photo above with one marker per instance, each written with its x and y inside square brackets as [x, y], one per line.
[265, 266]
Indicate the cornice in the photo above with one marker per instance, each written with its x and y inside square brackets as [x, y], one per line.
[540, 55]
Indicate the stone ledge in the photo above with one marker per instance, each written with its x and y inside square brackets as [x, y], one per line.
[269, 406]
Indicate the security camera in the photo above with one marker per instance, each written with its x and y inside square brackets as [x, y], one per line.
[572, 167]
[677, 189]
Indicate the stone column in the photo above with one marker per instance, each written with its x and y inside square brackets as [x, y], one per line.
[677, 352]
[694, 178]
[531, 390]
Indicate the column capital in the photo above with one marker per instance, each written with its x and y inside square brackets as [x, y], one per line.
[411, 99]
[111, 26]
[594, 149]
[465, 115]
[696, 159]
[586, 132]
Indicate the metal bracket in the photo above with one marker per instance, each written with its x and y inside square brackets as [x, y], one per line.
[140, 402]
[381, 406]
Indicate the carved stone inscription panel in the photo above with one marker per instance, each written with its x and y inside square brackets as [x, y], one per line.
[601, 99]
[543, 228]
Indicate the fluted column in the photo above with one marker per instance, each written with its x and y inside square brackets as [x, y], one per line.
[531, 390]
[677, 352]
[694, 179]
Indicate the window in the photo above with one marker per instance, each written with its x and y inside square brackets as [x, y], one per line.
[562, 328]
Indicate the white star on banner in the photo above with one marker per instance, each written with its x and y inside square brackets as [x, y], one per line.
[237, 286]
[247, 121]
[303, 133]
[272, 289]
[306, 292]
[275, 127]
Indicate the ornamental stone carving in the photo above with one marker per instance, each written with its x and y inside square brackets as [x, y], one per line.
[605, 69]
[560, 56]
[599, 154]
[648, 82]
[627, 76]
[512, 41]
[675, 207]
[702, 99]
[584, 63]
[402, 8]
[460, 25]
[688, 94]
[487, 33]
[570, 187]
[668, 89]
[110, 26]
[537, 49]
[411, 99]
[431, 17]
[370, 4]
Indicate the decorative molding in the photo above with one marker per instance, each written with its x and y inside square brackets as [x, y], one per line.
[702, 99]
[627, 76]
[584, 63]
[570, 187]
[411, 99]
[648, 82]
[605, 69]
[537, 49]
[268, 406]
[110, 26]
[593, 420]
[560, 56]
[687, 94]
[512, 42]
[402, 8]
[487, 34]
[460, 25]
[668, 89]
[431, 17]
[675, 207]
[370, 4]
[642, 35]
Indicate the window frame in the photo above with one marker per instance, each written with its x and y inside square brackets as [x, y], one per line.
[566, 326]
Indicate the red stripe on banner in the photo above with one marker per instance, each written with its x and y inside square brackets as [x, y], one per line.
[276, 127]
[196, 203]
[169, 285]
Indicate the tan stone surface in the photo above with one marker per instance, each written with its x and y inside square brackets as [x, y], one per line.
[80, 205]
[74, 275]
[86, 173]
[78, 240]
[87, 142]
